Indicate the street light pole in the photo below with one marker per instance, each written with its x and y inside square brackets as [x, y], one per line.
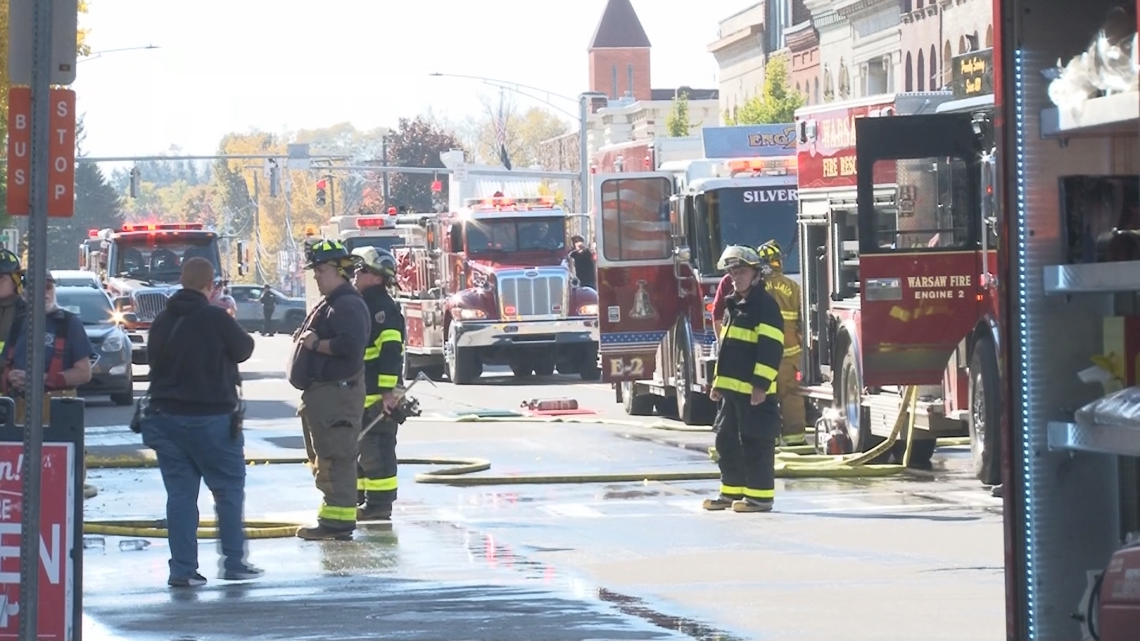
[384, 153]
[99, 54]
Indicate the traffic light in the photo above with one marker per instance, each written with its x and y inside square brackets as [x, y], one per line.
[321, 186]
[274, 179]
[134, 189]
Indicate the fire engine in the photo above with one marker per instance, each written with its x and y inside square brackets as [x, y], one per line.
[644, 155]
[489, 284]
[658, 345]
[355, 231]
[898, 248]
[140, 265]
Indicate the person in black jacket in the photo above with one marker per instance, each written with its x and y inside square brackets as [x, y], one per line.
[383, 366]
[744, 381]
[191, 423]
[585, 268]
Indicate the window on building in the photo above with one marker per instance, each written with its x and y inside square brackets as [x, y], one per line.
[907, 6]
[933, 68]
[947, 54]
[961, 44]
[920, 3]
[816, 94]
[920, 72]
[989, 36]
[909, 73]
[613, 84]
[629, 80]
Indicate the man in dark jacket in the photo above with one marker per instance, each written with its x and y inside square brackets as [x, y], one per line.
[585, 268]
[744, 381]
[194, 349]
[268, 306]
[328, 366]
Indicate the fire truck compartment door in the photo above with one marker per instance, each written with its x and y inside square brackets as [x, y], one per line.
[920, 253]
[637, 291]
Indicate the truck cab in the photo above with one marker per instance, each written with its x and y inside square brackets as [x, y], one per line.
[490, 284]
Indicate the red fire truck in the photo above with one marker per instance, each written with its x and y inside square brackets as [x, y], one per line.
[489, 284]
[644, 155]
[898, 251]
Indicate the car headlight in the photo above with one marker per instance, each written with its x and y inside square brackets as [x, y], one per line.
[588, 310]
[467, 314]
[113, 343]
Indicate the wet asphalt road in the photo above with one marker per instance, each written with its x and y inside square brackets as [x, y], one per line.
[883, 559]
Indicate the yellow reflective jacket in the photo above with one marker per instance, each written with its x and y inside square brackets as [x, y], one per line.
[787, 294]
[751, 344]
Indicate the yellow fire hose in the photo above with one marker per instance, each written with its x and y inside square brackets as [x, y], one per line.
[790, 463]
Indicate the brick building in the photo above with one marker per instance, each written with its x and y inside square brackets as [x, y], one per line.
[934, 31]
[803, 49]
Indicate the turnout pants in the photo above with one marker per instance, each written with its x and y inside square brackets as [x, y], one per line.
[330, 418]
[791, 404]
[376, 472]
[746, 444]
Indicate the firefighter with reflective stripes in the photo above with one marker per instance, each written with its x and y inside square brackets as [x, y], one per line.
[383, 364]
[744, 382]
[787, 294]
[13, 307]
[328, 366]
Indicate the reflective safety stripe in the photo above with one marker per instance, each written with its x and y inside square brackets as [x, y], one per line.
[371, 353]
[792, 351]
[759, 494]
[388, 335]
[387, 380]
[763, 329]
[371, 400]
[765, 371]
[734, 385]
[741, 334]
[731, 490]
[337, 513]
[376, 485]
[792, 316]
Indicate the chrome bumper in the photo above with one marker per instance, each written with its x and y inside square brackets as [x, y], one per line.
[525, 333]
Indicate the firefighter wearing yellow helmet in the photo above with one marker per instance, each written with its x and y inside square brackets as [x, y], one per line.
[744, 384]
[787, 294]
[328, 367]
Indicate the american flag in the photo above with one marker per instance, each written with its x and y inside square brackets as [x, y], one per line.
[501, 136]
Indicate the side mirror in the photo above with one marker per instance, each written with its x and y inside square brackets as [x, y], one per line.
[683, 254]
[130, 318]
[122, 302]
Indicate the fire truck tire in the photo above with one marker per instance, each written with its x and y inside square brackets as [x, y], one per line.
[985, 442]
[857, 422]
[544, 367]
[521, 369]
[693, 408]
[463, 368]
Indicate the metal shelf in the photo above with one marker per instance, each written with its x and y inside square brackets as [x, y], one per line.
[1123, 440]
[1119, 113]
[1093, 278]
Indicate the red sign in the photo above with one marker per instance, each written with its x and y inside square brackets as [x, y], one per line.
[57, 540]
[827, 158]
[61, 152]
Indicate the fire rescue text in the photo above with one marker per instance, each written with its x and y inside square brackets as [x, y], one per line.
[935, 287]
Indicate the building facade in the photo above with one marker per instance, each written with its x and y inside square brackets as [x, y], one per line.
[803, 49]
[876, 46]
[741, 53]
[934, 31]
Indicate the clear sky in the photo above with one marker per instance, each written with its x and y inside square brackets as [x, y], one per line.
[278, 65]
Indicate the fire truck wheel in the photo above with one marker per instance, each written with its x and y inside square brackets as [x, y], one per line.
[693, 408]
[544, 366]
[640, 405]
[521, 369]
[463, 366]
[849, 402]
[985, 442]
[588, 369]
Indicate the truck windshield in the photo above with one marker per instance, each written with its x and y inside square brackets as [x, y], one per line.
[747, 216]
[159, 259]
[504, 235]
[379, 242]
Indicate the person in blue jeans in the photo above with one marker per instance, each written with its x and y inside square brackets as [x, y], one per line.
[191, 423]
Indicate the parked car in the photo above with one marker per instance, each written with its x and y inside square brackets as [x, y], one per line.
[76, 278]
[287, 316]
[111, 371]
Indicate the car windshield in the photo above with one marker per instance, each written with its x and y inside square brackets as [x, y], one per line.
[749, 216]
[379, 242]
[504, 235]
[91, 305]
[159, 259]
[76, 282]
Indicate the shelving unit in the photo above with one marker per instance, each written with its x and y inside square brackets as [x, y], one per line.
[1123, 440]
[1116, 114]
[1092, 278]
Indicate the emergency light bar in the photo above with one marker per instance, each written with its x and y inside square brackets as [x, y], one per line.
[493, 203]
[92, 233]
[762, 166]
[374, 222]
[161, 226]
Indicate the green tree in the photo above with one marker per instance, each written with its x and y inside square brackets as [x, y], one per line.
[677, 123]
[97, 206]
[777, 104]
[417, 142]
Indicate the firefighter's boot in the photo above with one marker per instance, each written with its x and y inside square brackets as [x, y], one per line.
[751, 505]
[374, 513]
[323, 533]
[717, 504]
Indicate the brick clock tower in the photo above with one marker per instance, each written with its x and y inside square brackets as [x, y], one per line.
[619, 54]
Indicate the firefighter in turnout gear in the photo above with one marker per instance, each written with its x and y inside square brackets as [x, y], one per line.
[744, 383]
[787, 294]
[328, 367]
[13, 307]
[383, 364]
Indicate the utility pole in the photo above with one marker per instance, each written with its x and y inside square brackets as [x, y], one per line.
[384, 153]
[332, 195]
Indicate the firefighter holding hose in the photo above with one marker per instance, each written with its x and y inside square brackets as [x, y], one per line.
[787, 294]
[744, 383]
[383, 364]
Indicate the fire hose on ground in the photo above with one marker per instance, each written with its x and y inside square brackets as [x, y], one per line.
[790, 463]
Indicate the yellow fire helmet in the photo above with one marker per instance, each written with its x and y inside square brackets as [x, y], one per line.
[735, 255]
[770, 253]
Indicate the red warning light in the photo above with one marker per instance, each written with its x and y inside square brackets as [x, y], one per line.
[436, 186]
[321, 184]
[92, 233]
[391, 211]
